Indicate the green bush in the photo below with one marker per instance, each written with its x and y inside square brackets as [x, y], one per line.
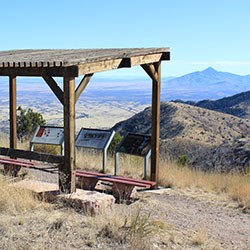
[114, 144]
[27, 122]
[183, 160]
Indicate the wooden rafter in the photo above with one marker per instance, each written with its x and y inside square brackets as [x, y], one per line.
[82, 85]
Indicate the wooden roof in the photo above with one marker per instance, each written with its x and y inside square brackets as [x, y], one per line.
[75, 62]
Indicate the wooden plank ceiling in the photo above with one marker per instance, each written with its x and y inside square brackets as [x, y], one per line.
[75, 62]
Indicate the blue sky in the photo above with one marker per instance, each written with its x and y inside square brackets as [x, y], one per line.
[200, 33]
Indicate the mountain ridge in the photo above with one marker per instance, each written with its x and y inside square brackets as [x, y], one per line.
[237, 105]
[206, 84]
[195, 132]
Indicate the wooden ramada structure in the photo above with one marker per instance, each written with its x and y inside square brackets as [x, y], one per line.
[70, 64]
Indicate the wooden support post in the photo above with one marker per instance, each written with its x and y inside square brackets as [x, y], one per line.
[13, 116]
[66, 171]
[155, 141]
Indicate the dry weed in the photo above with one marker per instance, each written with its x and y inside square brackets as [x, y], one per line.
[240, 192]
[200, 237]
[236, 186]
[131, 166]
[49, 149]
[4, 140]
[15, 200]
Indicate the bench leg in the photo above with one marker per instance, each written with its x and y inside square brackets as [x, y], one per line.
[12, 170]
[87, 183]
[122, 191]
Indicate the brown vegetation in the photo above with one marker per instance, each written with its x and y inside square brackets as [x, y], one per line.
[27, 222]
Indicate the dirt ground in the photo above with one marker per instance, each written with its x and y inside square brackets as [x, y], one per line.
[189, 219]
[200, 220]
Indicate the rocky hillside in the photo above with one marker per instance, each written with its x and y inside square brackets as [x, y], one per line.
[238, 105]
[193, 131]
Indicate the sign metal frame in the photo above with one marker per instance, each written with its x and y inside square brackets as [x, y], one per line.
[48, 135]
[135, 144]
[98, 139]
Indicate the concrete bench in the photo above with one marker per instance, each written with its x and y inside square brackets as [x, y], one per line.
[13, 166]
[122, 187]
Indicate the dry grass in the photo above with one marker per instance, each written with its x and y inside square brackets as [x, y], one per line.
[200, 237]
[25, 224]
[33, 227]
[15, 200]
[236, 186]
[4, 140]
[131, 166]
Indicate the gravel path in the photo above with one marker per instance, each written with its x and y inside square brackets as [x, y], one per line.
[226, 227]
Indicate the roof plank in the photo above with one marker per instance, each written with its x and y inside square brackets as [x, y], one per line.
[86, 60]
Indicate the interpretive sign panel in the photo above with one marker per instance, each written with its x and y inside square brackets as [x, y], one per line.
[135, 144]
[93, 138]
[48, 135]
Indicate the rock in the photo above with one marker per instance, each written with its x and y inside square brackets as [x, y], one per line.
[90, 202]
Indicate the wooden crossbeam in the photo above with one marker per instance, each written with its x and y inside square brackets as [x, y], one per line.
[18, 153]
[145, 59]
[54, 87]
[82, 85]
[92, 67]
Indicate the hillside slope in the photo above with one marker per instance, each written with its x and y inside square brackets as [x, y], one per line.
[238, 105]
[191, 130]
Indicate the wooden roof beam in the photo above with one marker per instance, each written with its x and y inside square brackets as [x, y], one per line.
[93, 67]
[40, 71]
[145, 59]
[126, 62]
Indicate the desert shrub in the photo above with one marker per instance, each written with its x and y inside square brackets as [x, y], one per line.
[27, 122]
[115, 142]
[183, 160]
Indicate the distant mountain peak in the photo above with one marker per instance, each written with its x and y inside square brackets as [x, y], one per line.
[209, 70]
